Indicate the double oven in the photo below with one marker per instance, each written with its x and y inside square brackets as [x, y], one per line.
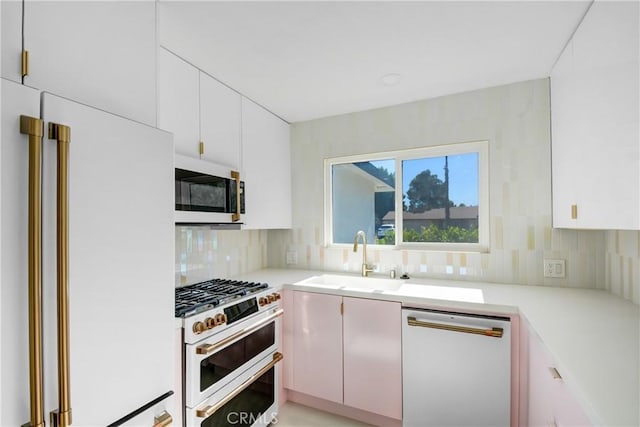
[230, 353]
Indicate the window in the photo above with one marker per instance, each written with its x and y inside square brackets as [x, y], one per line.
[441, 202]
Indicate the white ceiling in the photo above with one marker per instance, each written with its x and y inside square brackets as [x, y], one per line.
[304, 60]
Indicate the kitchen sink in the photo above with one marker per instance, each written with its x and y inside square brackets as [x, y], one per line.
[353, 283]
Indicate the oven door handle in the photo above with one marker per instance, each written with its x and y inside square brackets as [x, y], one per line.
[210, 348]
[209, 410]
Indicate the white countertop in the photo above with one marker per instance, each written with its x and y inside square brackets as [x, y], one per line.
[593, 335]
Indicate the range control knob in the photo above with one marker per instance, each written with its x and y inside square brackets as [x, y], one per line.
[210, 322]
[277, 295]
[221, 319]
[272, 298]
[263, 301]
[199, 327]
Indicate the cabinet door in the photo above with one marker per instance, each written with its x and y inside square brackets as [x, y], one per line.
[317, 345]
[540, 408]
[373, 356]
[178, 110]
[98, 53]
[566, 167]
[551, 403]
[595, 122]
[220, 122]
[266, 162]
[11, 30]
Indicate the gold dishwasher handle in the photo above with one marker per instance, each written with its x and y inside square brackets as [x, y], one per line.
[210, 348]
[207, 411]
[492, 332]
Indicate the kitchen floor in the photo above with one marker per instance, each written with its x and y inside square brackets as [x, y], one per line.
[292, 414]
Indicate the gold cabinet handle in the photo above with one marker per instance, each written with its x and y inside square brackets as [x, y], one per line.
[492, 332]
[555, 374]
[574, 211]
[34, 128]
[207, 411]
[236, 215]
[163, 420]
[210, 348]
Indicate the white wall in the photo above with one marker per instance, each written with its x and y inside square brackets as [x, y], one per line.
[515, 119]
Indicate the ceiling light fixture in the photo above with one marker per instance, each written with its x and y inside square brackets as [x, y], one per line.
[390, 79]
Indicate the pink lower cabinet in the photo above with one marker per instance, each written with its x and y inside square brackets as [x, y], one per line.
[550, 401]
[348, 351]
[317, 345]
[372, 348]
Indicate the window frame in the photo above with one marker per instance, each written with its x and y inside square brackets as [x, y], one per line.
[398, 156]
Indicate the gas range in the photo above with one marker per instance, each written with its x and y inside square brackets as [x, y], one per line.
[230, 338]
[212, 306]
[199, 297]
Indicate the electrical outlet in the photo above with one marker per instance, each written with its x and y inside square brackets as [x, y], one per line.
[554, 268]
[292, 257]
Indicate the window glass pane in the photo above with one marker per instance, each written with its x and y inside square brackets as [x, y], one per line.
[440, 199]
[363, 197]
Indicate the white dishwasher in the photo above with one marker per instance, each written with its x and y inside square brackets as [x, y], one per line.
[456, 369]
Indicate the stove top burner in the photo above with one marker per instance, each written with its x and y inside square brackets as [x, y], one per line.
[202, 296]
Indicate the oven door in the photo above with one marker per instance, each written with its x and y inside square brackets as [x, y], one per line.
[215, 361]
[251, 399]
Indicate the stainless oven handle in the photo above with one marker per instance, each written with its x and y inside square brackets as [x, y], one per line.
[209, 410]
[235, 217]
[210, 348]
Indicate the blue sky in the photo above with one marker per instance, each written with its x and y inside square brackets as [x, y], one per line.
[463, 174]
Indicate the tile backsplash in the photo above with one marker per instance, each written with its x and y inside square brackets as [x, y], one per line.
[202, 253]
[515, 119]
[623, 264]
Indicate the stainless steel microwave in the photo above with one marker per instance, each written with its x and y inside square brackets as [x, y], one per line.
[206, 193]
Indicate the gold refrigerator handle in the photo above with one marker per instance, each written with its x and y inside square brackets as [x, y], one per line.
[61, 417]
[235, 175]
[34, 128]
[493, 332]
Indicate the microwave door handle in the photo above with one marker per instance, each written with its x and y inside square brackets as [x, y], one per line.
[235, 175]
[209, 410]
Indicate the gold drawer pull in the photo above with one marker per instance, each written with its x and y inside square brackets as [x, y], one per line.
[555, 374]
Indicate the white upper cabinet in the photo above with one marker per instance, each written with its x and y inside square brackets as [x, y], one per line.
[178, 102]
[594, 118]
[198, 109]
[266, 160]
[98, 53]
[11, 29]
[219, 122]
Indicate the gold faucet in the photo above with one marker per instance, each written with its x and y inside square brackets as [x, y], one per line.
[365, 268]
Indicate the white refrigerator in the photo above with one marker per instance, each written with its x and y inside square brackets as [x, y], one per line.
[119, 357]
